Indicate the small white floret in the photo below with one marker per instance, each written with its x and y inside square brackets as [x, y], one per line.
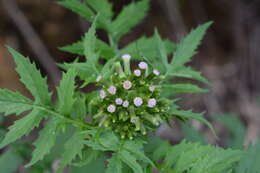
[126, 57]
[119, 101]
[125, 104]
[127, 84]
[137, 72]
[152, 88]
[156, 72]
[102, 94]
[111, 108]
[112, 90]
[151, 103]
[143, 65]
[138, 101]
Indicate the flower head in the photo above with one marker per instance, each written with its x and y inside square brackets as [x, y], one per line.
[143, 65]
[112, 90]
[119, 101]
[138, 101]
[137, 72]
[127, 84]
[152, 88]
[125, 104]
[151, 103]
[111, 108]
[102, 94]
[156, 72]
[126, 57]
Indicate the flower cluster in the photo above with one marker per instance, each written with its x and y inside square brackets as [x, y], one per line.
[130, 103]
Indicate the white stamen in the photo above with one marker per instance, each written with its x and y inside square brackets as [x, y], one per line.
[125, 104]
[152, 88]
[137, 72]
[156, 72]
[99, 78]
[143, 65]
[102, 94]
[111, 108]
[112, 90]
[119, 101]
[151, 103]
[126, 57]
[138, 101]
[127, 84]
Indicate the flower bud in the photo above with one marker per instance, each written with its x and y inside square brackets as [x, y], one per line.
[137, 72]
[156, 72]
[143, 65]
[125, 104]
[119, 101]
[112, 90]
[99, 78]
[152, 88]
[126, 58]
[102, 94]
[127, 84]
[111, 108]
[151, 103]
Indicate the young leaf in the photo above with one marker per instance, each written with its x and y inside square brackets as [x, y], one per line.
[114, 164]
[22, 127]
[130, 160]
[66, 92]
[79, 8]
[103, 8]
[45, 141]
[130, 16]
[184, 88]
[13, 102]
[187, 48]
[73, 148]
[31, 78]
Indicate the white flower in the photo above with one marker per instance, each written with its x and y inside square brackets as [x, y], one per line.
[111, 108]
[126, 57]
[112, 90]
[102, 94]
[119, 101]
[152, 88]
[138, 101]
[137, 72]
[142, 65]
[127, 84]
[99, 78]
[151, 103]
[156, 72]
[125, 104]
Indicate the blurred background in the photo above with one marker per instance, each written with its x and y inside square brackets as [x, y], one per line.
[228, 56]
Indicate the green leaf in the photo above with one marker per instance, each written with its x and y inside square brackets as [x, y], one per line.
[183, 88]
[73, 148]
[249, 163]
[109, 140]
[13, 102]
[66, 92]
[79, 108]
[187, 48]
[79, 8]
[147, 47]
[10, 161]
[103, 8]
[136, 148]
[130, 160]
[77, 48]
[188, 114]
[114, 164]
[187, 72]
[235, 128]
[22, 127]
[191, 134]
[163, 59]
[45, 141]
[130, 16]
[31, 78]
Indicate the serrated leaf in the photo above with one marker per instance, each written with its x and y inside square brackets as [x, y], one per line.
[13, 102]
[136, 148]
[88, 156]
[147, 47]
[114, 164]
[80, 108]
[22, 127]
[45, 141]
[130, 16]
[79, 8]
[31, 78]
[187, 72]
[187, 48]
[66, 92]
[184, 88]
[130, 160]
[77, 48]
[109, 140]
[163, 59]
[73, 148]
[249, 163]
